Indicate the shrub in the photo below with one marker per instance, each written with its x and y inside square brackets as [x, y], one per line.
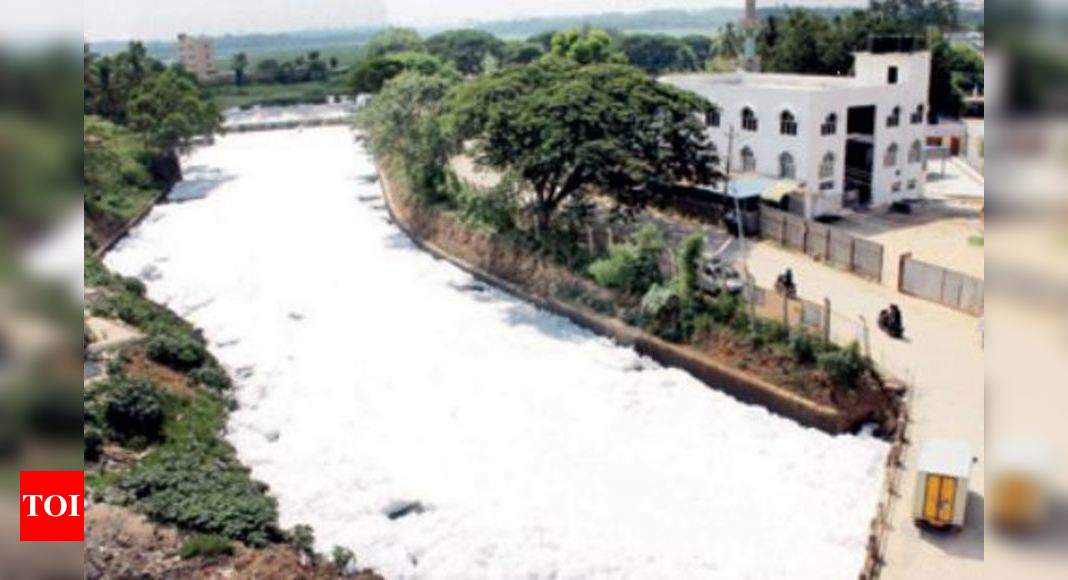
[178, 351]
[211, 376]
[342, 558]
[94, 443]
[689, 255]
[633, 267]
[724, 309]
[133, 411]
[805, 348]
[135, 286]
[206, 545]
[844, 366]
[202, 487]
[302, 538]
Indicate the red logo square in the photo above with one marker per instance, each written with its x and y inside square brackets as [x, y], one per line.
[51, 506]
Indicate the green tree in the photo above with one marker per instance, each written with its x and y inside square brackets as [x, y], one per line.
[370, 74]
[522, 52]
[401, 123]
[955, 71]
[466, 49]
[564, 128]
[586, 47]
[169, 110]
[632, 267]
[268, 70]
[239, 64]
[658, 53]
[394, 40]
[701, 46]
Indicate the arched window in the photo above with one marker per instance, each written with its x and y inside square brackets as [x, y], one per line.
[891, 156]
[749, 120]
[917, 115]
[787, 167]
[830, 125]
[827, 166]
[787, 123]
[916, 152]
[748, 160]
[895, 118]
[712, 118]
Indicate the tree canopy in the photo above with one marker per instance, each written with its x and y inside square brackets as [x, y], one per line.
[169, 110]
[370, 74]
[466, 49]
[659, 53]
[586, 47]
[394, 40]
[563, 128]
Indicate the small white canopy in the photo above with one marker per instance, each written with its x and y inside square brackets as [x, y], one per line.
[946, 457]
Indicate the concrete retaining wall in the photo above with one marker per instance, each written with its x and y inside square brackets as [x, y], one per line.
[735, 382]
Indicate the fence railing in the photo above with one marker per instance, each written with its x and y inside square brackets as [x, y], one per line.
[941, 285]
[823, 242]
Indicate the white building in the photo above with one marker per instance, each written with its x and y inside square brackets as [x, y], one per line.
[843, 141]
[197, 56]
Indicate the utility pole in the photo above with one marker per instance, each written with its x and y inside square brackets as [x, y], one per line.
[739, 220]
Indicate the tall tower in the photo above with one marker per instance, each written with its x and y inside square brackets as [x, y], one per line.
[750, 28]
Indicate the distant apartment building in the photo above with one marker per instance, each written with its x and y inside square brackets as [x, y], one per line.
[197, 55]
[826, 142]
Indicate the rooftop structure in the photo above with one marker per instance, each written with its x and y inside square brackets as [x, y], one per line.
[856, 140]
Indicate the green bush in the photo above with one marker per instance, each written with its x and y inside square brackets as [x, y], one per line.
[211, 376]
[206, 545]
[689, 255]
[94, 443]
[133, 411]
[342, 558]
[178, 351]
[633, 267]
[199, 487]
[843, 366]
[805, 348]
[724, 308]
[135, 286]
[302, 538]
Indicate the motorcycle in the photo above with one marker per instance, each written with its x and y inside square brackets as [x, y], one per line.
[890, 321]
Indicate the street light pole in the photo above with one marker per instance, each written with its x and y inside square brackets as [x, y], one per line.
[750, 290]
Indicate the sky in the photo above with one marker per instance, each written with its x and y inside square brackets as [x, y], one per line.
[164, 19]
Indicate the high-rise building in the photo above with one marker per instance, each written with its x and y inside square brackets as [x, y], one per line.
[197, 56]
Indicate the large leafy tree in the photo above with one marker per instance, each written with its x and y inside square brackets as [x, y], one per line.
[169, 110]
[566, 128]
[370, 74]
[466, 49]
[659, 53]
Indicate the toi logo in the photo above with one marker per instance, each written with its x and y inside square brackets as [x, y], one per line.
[51, 506]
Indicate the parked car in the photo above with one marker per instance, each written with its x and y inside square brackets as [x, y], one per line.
[716, 277]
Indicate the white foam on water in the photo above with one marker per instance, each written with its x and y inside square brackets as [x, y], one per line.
[441, 432]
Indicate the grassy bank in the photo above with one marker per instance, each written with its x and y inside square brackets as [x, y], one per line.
[276, 94]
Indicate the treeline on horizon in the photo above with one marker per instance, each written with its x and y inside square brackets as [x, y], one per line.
[668, 21]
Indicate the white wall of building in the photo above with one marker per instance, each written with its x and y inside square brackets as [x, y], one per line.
[811, 99]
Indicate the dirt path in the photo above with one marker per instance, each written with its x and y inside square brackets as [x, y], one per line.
[943, 359]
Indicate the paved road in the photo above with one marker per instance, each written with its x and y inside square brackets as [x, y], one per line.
[942, 357]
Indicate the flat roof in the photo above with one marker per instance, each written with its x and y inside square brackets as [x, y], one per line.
[812, 83]
[946, 457]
